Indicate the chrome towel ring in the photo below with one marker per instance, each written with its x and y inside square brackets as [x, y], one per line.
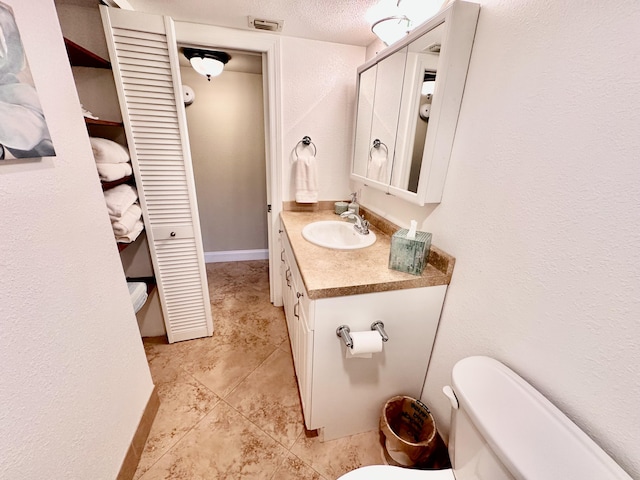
[377, 144]
[306, 141]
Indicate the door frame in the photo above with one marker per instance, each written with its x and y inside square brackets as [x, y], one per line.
[268, 45]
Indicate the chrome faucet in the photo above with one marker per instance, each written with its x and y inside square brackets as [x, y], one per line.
[361, 226]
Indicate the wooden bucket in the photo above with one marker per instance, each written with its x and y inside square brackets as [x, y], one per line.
[409, 430]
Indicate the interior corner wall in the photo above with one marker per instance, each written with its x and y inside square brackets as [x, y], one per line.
[374, 48]
[95, 86]
[74, 379]
[226, 136]
[541, 211]
[318, 100]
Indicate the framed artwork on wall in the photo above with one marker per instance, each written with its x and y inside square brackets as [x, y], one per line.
[23, 128]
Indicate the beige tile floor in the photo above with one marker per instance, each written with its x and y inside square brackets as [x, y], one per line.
[229, 403]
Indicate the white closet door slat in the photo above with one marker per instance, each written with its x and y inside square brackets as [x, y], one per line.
[125, 32]
[144, 56]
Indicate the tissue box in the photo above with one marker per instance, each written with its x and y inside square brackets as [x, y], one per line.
[409, 255]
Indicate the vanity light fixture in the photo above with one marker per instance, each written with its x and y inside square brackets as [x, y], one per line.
[209, 63]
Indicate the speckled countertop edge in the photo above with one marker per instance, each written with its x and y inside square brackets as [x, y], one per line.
[334, 273]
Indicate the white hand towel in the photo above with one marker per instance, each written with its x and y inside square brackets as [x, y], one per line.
[133, 234]
[107, 151]
[128, 220]
[109, 172]
[119, 199]
[306, 179]
[378, 165]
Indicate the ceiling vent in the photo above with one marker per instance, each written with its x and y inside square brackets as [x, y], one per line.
[269, 25]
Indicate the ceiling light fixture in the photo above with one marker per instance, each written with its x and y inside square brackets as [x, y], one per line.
[391, 29]
[399, 17]
[209, 63]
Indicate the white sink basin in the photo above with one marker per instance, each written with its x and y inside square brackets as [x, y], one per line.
[337, 234]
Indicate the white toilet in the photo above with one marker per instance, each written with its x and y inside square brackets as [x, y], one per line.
[502, 428]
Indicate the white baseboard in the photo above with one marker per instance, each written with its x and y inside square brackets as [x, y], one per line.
[236, 255]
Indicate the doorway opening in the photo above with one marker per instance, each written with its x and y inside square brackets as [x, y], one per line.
[268, 46]
[225, 120]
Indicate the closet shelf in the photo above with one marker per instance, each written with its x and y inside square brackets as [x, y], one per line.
[81, 57]
[150, 281]
[109, 185]
[101, 123]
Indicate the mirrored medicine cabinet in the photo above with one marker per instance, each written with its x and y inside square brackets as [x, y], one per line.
[408, 102]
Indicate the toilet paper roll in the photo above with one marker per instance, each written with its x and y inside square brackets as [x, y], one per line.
[364, 344]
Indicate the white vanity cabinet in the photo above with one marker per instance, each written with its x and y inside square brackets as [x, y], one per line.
[296, 307]
[343, 396]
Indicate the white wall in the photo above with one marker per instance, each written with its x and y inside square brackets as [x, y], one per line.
[318, 100]
[74, 379]
[542, 211]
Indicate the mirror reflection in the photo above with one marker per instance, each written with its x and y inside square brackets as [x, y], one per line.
[409, 98]
[366, 92]
[418, 95]
[379, 100]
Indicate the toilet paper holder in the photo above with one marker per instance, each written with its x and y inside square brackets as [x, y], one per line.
[343, 332]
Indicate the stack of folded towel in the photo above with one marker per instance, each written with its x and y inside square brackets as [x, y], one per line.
[112, 159]
[113, 163]
[124, 212]
[138, 293]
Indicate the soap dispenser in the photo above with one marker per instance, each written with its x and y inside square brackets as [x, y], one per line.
[353, 206]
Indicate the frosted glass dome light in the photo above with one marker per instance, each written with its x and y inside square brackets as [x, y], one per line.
[391, 29]
[206, 62]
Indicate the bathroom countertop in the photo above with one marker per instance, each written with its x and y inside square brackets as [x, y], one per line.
[333, 273]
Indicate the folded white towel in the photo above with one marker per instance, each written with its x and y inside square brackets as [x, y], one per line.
[119, 199]
[133, 234]
[124, 224]
[378, 165]
[109, 172]
[306, 179]
[107, 151]
[138, 294]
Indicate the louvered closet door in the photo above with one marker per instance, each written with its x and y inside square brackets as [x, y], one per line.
[144, 56]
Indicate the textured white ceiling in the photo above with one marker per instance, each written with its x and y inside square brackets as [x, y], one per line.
[339, 21]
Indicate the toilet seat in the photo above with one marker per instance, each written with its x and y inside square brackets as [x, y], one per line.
[388, 472]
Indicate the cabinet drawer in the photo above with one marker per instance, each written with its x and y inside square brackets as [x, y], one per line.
[167, 233]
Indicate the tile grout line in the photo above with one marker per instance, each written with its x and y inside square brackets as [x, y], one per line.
[219, 399]
[287, 449]
[279, 348]
[182, 437]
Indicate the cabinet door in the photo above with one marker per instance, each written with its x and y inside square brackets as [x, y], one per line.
[298, 308]
[287, 289]
[287, 300]
[305, 357]
[144, 56]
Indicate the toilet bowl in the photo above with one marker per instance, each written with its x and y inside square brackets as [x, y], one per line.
[530, 439]
[387, 472]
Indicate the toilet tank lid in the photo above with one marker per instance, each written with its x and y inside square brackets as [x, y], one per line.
[531, 436]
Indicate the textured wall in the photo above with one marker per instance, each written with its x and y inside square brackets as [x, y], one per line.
[226, 134]
[74, 379]
[318, 99]
[541, 211]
